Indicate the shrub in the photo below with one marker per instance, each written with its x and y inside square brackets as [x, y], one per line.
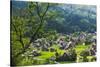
[73, 55]
[70, 55]
[52, 49]
[93, 58]
[85, 53]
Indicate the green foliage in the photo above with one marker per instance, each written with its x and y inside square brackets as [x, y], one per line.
[70, 55]
[25, 29]
[92, 58]
[37, 20]
[73, 55]
[84, 53]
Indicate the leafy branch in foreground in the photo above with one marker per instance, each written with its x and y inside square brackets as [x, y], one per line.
[32, 38]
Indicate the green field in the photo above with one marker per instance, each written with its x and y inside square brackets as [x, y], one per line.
[47, 54]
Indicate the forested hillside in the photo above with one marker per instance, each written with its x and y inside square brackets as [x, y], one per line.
[68, 18]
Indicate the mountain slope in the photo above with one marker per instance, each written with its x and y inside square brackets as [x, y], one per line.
[70, 17]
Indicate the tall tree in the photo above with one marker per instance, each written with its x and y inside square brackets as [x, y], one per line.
[19, 28]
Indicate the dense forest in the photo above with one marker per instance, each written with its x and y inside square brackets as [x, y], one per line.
[52, 33]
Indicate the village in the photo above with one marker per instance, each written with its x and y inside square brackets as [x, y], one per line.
[64, 49]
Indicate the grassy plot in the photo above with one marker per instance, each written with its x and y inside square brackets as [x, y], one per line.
[46, 55]
[80, 48]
